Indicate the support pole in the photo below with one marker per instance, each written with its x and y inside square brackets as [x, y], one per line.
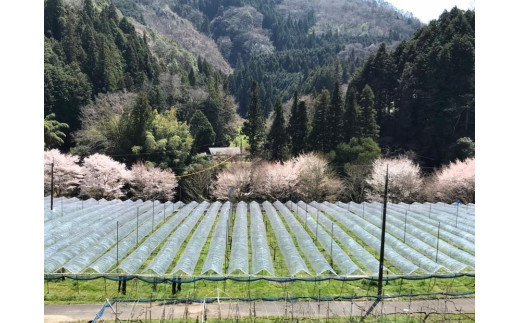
[405, 216]
[52, 185]
[117, 243]
[331, 238]
[137, 229]
[457, 217]
[153, 214]
[438, 235]
[382, 251]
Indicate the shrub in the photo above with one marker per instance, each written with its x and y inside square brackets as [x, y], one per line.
[404, 180]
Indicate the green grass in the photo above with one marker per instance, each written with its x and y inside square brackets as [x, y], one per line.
[93, 291]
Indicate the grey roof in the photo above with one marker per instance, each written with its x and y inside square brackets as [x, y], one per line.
[224, 151]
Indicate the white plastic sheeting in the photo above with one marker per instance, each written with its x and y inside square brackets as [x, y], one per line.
[402, 208]
[217, 247]
[137, 258]
[363, 257]
[426, 264]
[293, 261]
[129, 235]
[340, 258]
[76, 222]
[69, 248]
[318, 263]
[259, 248]
[453, 239]
[125, 245]
[429, 236]
[449, 223]
[411, 238]
[191, 254]
[239, 260]
[374, 243]
[189, 214]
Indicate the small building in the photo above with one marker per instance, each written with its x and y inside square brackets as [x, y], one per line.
[224, 152]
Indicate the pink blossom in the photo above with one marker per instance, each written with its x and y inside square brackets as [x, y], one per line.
[67, 172]
[104, 177]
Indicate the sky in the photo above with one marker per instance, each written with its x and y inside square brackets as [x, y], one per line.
[426, 10]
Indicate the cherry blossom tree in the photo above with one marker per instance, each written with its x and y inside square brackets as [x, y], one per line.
[152, 183]
[234, 182]
[316, 180]
[67, 172]
[104, 177]
[455, 181]
[404, 180]
[275, 181]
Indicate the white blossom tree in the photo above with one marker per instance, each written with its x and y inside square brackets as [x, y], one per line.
[275, 181]
[67, 172]
[104, 177]
[404, 180]
[316, 180]
[453, 182]
[234, 182]
[152, 183]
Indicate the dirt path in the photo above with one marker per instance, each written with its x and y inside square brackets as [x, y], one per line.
[68, 313]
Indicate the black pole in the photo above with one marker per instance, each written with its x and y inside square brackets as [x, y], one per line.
[117, 243]
[52, 185]
[331, 237]
[153, 214]
[137, 229]
[382, 252]
[438, 236]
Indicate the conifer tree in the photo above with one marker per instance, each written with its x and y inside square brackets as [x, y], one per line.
[277, 137]
[302, 130]
[351, 116]
[335, 119]
[53, 11]
[291, 128]
[318, 135]
[369, 126]
[254, 126]
[201, 131]
[139, 120]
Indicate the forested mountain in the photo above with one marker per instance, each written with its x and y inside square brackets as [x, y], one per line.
[267, 40]
[160, 81]
[425, 89]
